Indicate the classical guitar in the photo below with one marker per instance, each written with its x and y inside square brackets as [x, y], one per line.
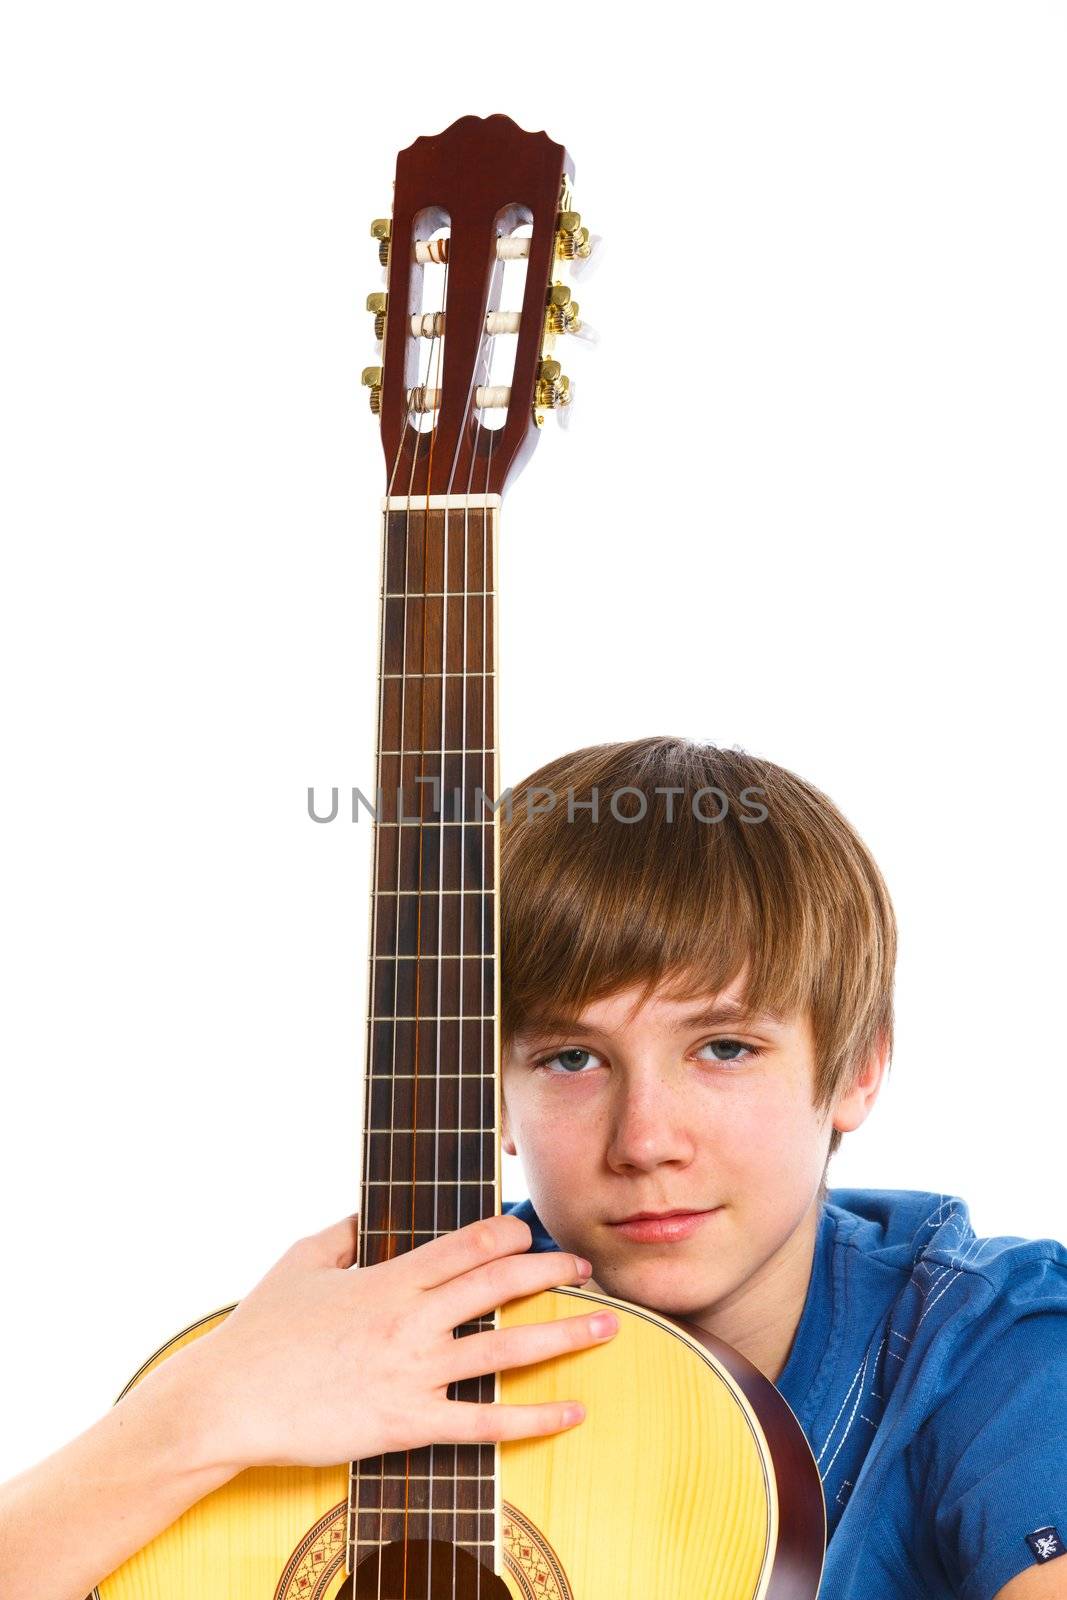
[690, 1478]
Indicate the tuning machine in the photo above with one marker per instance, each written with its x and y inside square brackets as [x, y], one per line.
[381, 229]
[552, 391]
[562, 315]
[371, 378]
[377, 305]
[573, 242]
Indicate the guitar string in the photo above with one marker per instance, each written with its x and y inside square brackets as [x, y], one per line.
[432, 349]
[494, 954]
[416, 1008]
[423, 700]
[484, 360]
[462, 943]
[401, 743]
[477, 1479]
[355, 1473]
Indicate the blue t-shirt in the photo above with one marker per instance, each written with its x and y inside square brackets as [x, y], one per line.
[929, 1373]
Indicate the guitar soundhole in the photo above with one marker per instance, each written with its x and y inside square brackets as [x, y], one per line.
[423, 1569]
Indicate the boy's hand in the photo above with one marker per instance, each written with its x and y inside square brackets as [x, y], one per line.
[322, 1364]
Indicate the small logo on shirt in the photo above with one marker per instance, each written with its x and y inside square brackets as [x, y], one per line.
[1045, 1543]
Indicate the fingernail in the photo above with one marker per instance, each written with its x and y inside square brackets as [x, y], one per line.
[573, 1413]
[583, 1267]
[603, 1324]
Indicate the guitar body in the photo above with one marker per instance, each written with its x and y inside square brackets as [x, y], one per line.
[679, 1483]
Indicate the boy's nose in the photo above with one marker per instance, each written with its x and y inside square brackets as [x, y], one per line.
[648, 1129]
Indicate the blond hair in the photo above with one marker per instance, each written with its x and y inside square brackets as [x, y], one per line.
[697, 864]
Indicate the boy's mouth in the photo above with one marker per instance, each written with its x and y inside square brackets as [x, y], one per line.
[662, 1227]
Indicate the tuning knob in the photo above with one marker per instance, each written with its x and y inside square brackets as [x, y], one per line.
[377, 305]
[562, 314]
[553, 388]
[380, 229]
[572, 240]
[371, 379]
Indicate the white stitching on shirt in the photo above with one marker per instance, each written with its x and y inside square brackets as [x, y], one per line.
[852, 1418]
[934, 1221]
[844, 1403]
[932, 1303]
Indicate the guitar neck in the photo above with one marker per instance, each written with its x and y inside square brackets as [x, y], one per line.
[430, 1148]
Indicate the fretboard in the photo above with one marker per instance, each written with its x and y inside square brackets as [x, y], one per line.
[430, 1158]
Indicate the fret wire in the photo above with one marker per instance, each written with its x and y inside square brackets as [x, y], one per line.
[432, 955]
[428, 1183]
[379, 1544]
[428, 1477]
[490, 1129]
[432, 822]
[405, 1233]
[373, 1508]
[375, 1479]
[431, 894]
[484, 1078]
[374, 1515]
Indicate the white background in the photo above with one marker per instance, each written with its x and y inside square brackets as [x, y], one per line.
[811, 502]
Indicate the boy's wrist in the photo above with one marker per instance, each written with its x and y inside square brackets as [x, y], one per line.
[183, 1399]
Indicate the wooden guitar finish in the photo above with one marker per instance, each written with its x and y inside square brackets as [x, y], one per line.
[690, 1479]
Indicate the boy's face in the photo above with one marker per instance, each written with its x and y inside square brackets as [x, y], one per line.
[679, 1105]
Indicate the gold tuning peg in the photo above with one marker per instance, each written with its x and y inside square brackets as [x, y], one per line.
[572, 240]
[371, 379]
[553, 388]
[562, 315]
[380, 229]
[377, 305]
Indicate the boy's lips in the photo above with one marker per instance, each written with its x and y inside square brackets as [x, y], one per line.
[662, 1227]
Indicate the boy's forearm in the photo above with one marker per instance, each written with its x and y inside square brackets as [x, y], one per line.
[110, 1491]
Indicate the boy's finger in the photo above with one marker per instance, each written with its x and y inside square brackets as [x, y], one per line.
[456, 1253]
[485, 1288]
[465, 1422]
[479, 1353]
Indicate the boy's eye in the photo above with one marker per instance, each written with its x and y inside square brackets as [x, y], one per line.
[728, 1049]
[571, 1060]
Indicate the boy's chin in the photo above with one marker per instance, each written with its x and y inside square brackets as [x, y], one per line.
[658, 1286]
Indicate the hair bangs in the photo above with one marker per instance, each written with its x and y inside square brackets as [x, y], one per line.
[667, 863]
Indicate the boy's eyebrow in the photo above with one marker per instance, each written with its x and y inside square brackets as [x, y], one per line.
[726, 1011]
[714, 1016]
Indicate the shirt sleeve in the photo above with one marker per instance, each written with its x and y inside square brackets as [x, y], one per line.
[992, 1458]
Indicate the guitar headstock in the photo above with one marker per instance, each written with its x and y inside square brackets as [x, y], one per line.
[474, 208]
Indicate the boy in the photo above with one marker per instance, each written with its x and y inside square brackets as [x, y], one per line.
[928, 1368]
[697, 958]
